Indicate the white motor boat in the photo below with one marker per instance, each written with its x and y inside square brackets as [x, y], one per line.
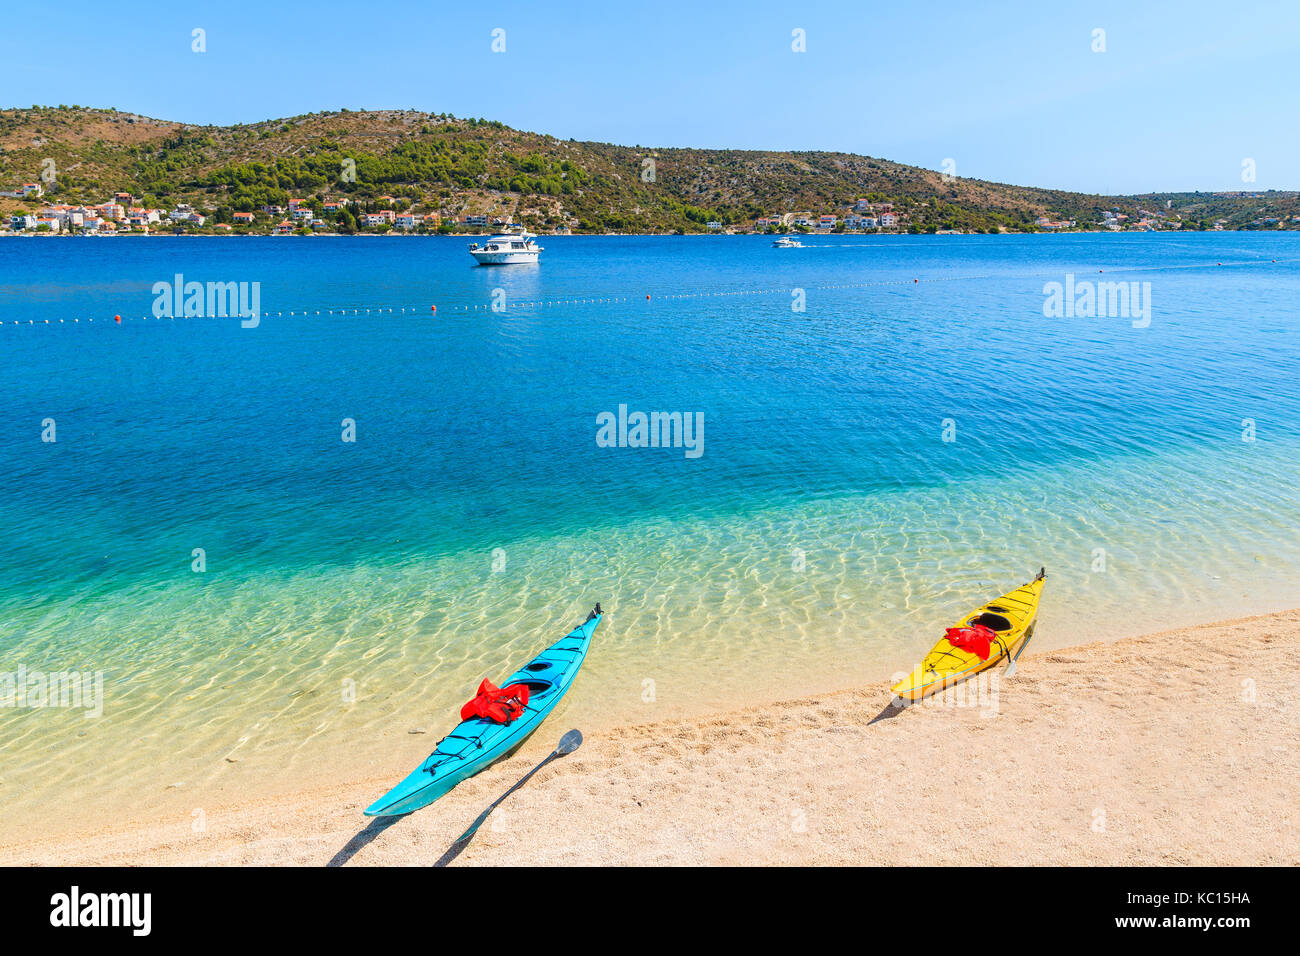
[507, 248]
[786, 242]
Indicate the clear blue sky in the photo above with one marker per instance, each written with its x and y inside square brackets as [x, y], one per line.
[1184, 92]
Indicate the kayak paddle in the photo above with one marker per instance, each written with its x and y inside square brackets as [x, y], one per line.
[1011, 668]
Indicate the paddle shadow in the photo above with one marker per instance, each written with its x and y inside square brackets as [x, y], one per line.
[453, 851]
[376, 826]
[458, 847]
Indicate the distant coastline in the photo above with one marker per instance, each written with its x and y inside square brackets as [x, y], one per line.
[384, 171]
[583, 235]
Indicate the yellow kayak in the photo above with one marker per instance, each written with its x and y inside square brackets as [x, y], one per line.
[1011, 618]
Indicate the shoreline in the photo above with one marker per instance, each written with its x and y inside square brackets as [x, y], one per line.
[1175, 747]
[627, 235]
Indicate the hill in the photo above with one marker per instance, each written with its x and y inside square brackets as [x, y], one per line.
[406, 159]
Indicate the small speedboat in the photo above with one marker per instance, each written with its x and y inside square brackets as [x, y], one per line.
[978, 641]
[787, 242]
[507, 248]
[478, 742]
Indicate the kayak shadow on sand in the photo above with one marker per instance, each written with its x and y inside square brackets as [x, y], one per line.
[892, 710]
[376, 826]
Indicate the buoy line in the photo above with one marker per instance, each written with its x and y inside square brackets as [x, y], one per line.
[651, 297]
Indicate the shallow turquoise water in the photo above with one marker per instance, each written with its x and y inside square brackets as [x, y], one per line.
[822, 538]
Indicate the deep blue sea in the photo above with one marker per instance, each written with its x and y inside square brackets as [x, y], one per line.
[918, 438]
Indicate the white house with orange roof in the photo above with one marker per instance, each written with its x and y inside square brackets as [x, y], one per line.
[25, 190]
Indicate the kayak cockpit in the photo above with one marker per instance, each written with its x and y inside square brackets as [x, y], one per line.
[994, 622]
[537, 688]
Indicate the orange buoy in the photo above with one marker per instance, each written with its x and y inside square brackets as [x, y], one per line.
[117, 319]
[914, 281]
[647, 297]
[433, 308]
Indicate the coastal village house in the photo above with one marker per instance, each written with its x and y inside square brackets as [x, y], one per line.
[184, 212]
[861, 222]
[25, 190]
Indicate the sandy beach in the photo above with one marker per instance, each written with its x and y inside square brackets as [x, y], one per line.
[1173, 748]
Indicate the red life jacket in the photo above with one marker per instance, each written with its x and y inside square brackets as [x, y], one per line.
[502, 704]
[975, 639]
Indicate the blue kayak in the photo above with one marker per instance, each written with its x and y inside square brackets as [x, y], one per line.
[477, 743]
